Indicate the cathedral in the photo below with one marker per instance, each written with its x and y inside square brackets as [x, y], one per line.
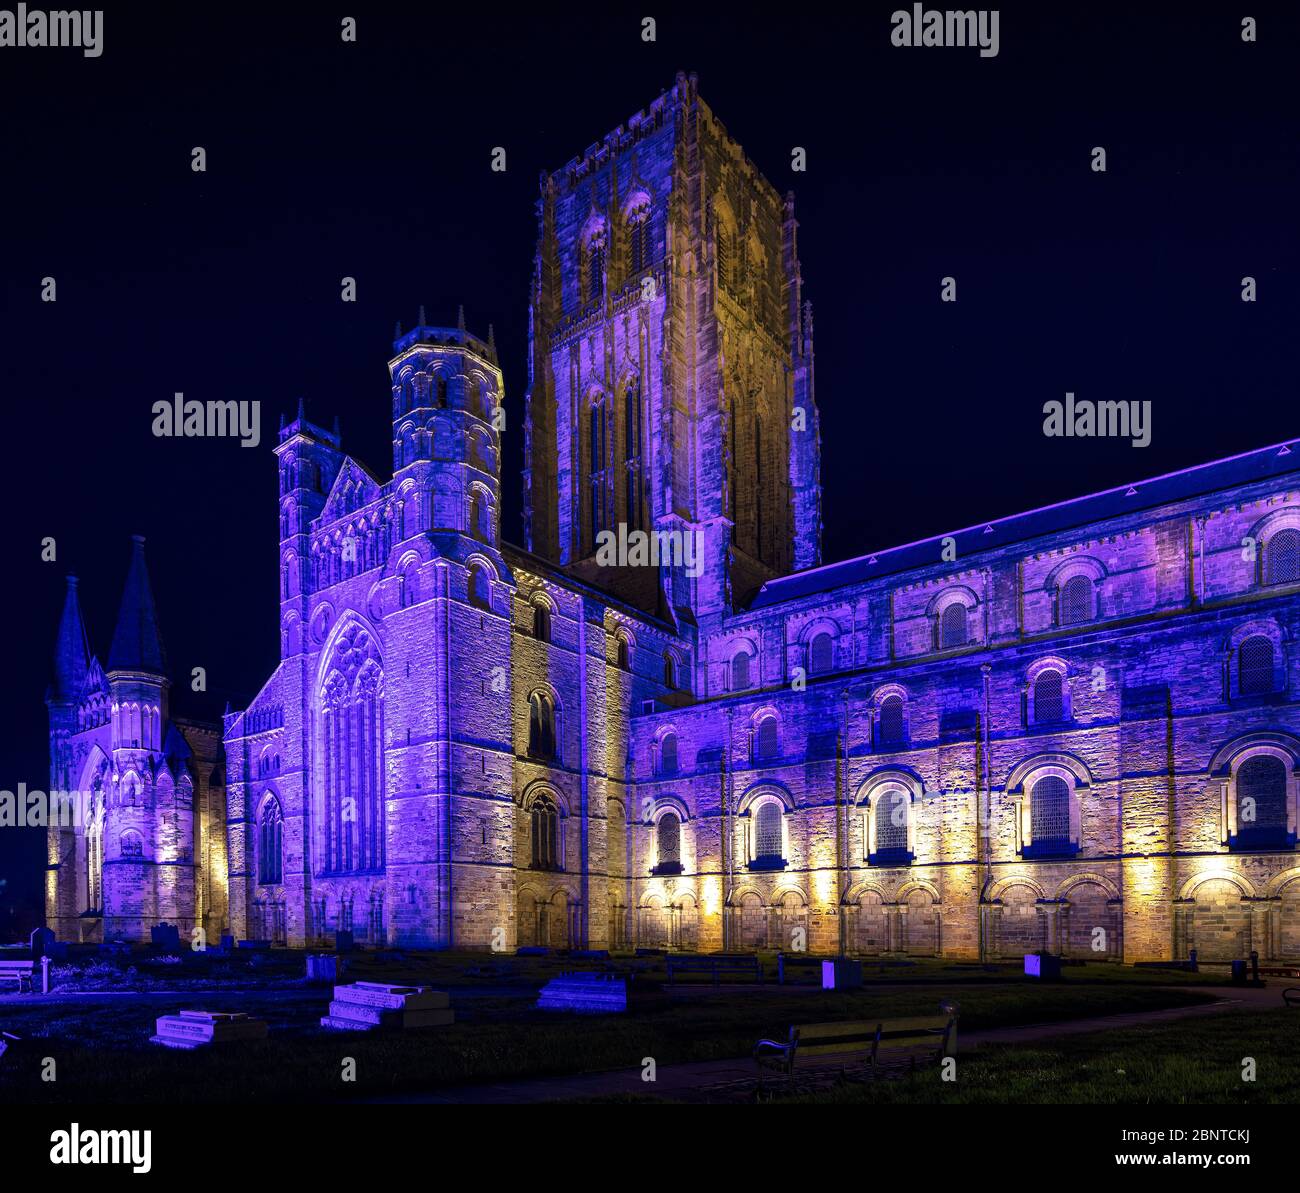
[1073, 730]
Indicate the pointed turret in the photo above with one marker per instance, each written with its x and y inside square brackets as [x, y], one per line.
[137, 645]
[71, 654]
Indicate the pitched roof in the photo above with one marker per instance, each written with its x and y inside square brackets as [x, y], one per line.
[71, 654]
[137, 644]
[1261, 464]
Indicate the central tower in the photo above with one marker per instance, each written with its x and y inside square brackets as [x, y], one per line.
[671, 365]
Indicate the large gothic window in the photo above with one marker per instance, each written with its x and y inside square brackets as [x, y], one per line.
[1261, 803]
[1255, 665]
[270, 843]
[351, 779]
[1282, 557]
[541, 726]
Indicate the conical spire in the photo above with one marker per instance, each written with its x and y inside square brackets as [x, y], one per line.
[137, 645]
[71, 656]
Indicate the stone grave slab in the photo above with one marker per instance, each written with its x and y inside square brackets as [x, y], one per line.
[586, 993]
[198, 1029]
[364, 1006]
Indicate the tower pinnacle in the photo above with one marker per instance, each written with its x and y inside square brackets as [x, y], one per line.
[137, 645]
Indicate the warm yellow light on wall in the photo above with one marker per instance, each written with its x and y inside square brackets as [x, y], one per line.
[711, 894]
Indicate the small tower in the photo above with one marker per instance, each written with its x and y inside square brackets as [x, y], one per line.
[309, 460]
[447, 394]
[133, 823]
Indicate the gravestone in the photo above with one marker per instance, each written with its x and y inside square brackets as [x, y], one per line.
[364, 1006]
[585, 993]
[1044, 966]
[166, 937]
[325, 967]
[41, 940]
[198, 1029]
[841, 973]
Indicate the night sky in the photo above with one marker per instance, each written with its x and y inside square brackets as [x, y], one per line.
[372, 160]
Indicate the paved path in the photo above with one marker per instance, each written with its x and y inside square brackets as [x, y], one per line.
[689, 1082]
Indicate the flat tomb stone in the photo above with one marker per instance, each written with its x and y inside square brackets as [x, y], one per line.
[196, 1029]
[363, 1006]
[586, 993]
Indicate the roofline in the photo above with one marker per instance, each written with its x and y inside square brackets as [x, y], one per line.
[1284, 448]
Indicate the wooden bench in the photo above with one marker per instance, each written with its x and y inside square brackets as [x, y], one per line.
[928, 1036]
[18, 974]
[744, 965]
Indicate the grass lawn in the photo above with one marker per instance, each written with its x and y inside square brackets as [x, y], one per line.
[1193, 1061]
[99, 1041]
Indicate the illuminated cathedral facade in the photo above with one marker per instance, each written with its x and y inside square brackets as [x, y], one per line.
[1074, 729]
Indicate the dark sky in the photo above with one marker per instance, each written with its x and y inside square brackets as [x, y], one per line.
[372, 160]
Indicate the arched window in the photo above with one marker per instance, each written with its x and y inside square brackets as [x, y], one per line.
[541, 623]
[740, 671]
[668, 754]
[406, 587]
[638, 233]
[541, 726]
[1261, 802]
[595, 287]
[670, 670]
[1282, 557]
[1049, 814]
[270, 840]
[952, 626]
[132, 844]
[480, 590]
[1074, 602]
[351, 778]
[441, 391]
[821, 653]
[477, 522]
[1049, 696]
[768, 844]
[597, 463]
[668, 842]
[724, 253]
[546, 834]
[892, 810]
[632, 421]
[766, 742]
[621, 654]
[892, 731]
[1255, 665]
